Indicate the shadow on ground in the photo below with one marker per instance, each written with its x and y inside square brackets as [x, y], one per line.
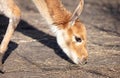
[46, 39]
[43, 38]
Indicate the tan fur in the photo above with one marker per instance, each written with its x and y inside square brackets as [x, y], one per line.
[79, 31]
[57, 11]
[67, 26]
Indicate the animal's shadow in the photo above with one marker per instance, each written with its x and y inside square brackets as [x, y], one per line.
[23, 27]
[44, 38]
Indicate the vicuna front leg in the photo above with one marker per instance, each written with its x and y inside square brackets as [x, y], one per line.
[13, 21]
[10, 30]
[13, 13]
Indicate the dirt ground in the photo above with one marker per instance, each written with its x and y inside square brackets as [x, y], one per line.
[34, 53]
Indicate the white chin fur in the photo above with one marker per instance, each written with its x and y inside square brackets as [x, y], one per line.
[61, 42]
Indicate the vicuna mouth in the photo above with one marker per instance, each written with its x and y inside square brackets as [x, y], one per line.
[82, 61]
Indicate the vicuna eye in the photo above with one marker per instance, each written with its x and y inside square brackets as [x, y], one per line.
[78, 39]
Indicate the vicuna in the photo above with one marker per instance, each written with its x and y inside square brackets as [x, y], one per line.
[69, 31]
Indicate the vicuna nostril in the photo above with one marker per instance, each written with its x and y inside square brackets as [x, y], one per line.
[83, 61]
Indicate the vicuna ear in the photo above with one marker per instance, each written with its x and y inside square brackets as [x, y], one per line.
[77, 12]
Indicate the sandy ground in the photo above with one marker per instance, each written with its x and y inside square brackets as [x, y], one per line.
[34, 53]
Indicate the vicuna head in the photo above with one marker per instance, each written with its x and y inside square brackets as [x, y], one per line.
[70, 32]
[72, 37]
